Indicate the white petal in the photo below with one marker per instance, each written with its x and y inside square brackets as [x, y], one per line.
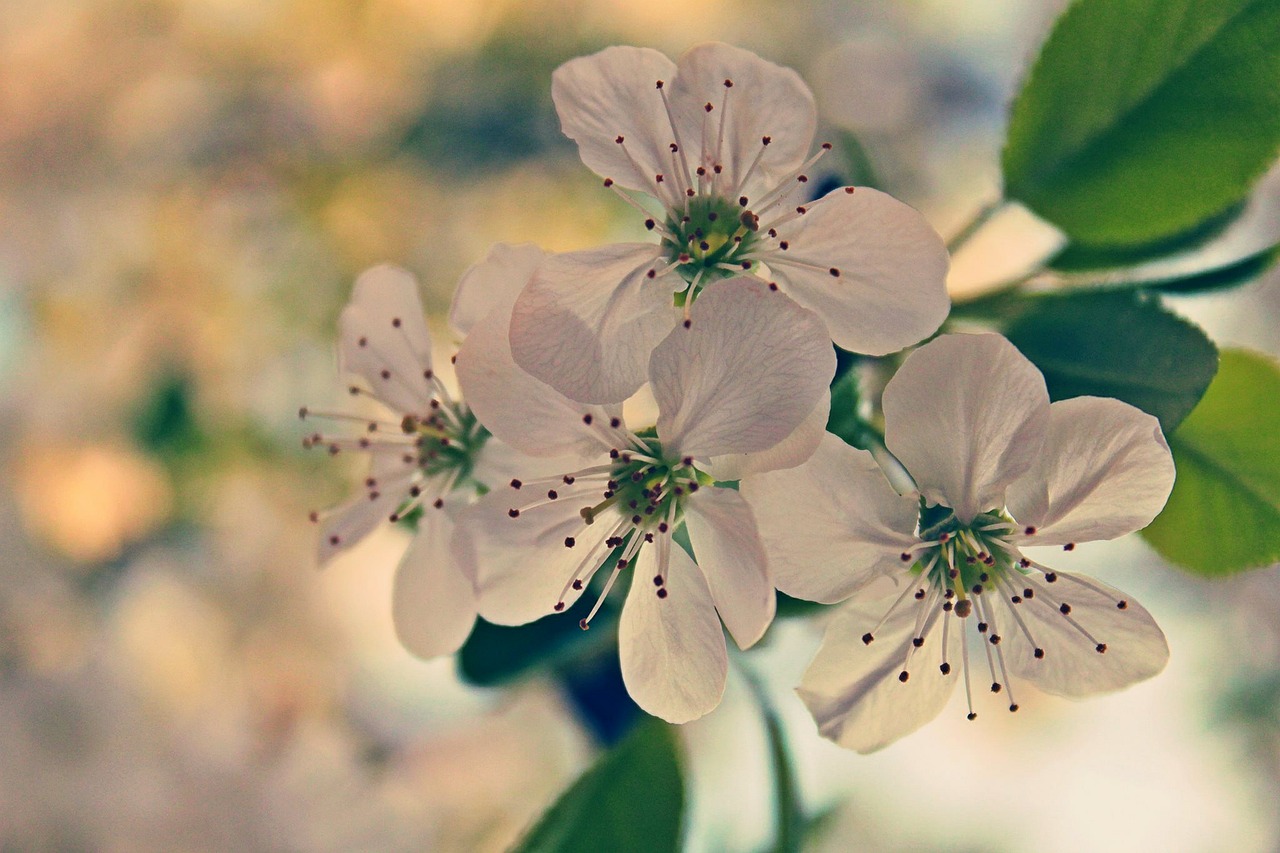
[853, 689]
[744, 375]
[498, 463]
[832, 525]
[521, 565]
[610, 94]
[727, 547]
[891, 289]
[586, 323]
[382, 337]
[1135, 646]
[967, 415]
[765, 100]
[348, 525]
[674, 660]
[522, 411]
[788, 453]
[493, 284]
[433, 604]
[1105, 471]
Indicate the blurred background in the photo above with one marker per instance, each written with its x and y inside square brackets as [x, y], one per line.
[188, 189]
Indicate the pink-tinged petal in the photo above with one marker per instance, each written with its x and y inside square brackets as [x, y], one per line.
[788, 453]
[433, 604]
[764, 100]
[833, 525]
[587, 322]
[1134, 646]
[871, 266]
[745, 373]
[493, 284]
[673, 655]
[613, 94]
[521, 565]
[967, 415]
[382, 337]
[727, 547]
[854, 690]
[522, 411]
[1105, 471]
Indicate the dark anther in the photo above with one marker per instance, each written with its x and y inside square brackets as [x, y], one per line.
[569, 542]
[1051, 577]
[917, 642]
[1039, 653]
[903, 676]
[559, 606]
[1122, 605]
[513, 512]
[835, 273]
[945, 669]
[1070, 546]
[1065, 608]
[577, 584]
[515, 484]
[1100, 648]
[586, 419]
[662, 593]
[906, 558]
[867, 638]
[995, 687]
[971, 716]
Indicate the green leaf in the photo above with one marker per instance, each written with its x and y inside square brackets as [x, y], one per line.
[1144, 119]
[631, 800]
[1224, 513]
[1117, 344]
[495, 654]
[1203, 279]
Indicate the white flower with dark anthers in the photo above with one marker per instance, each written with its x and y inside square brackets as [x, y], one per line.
[741, 388]
[428, 460]
[721, 141]
[998, 468]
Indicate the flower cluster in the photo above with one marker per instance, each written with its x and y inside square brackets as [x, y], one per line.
[537, 490]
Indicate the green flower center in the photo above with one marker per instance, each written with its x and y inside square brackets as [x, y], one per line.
[962, 558]
[709, 241]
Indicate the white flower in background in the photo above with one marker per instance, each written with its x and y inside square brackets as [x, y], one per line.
[428, 460]
[721, 142]
[741, 388]
[998, 468]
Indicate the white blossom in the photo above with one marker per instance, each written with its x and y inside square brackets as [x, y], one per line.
[428, 458]
[740, 387]
[997, 468]
[720, 141]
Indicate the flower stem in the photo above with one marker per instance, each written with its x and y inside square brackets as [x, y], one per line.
[974, 225]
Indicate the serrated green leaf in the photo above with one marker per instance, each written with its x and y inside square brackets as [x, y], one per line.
[1224, 513]
[631, 800]
[1117, 344]
[1144, 119]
